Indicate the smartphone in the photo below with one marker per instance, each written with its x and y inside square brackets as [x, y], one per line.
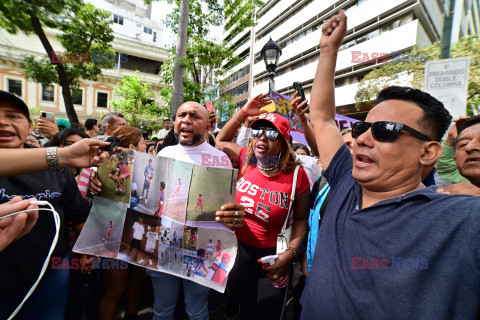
[114, 141]
[47, 116]
[298, 87]
[209, 106]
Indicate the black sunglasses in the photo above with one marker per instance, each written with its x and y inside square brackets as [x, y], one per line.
[271, 134]
[384, 130]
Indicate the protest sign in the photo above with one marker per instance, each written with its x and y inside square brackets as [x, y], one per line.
[159, 213]
[447, 80]
[282, 104]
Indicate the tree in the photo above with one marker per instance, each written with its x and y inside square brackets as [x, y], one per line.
[85, 35]
[205, 56]
[136, 101]
[411, 66]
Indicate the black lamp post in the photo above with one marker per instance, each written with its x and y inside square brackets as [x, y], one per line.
[142, 126]
[271, 53]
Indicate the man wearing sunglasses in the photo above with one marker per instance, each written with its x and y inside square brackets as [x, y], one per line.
[388, 247]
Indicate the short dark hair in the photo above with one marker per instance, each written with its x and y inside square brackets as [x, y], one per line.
[60, 138]
[435, 116]
[89, 123]
[165, 120]
[297, 146]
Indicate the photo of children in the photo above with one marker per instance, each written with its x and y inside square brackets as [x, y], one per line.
[177, 190]
[161, 200]
[204, 201]
[188, 265]
[149, 175]
[190, 238]
[216, 253]
[140, 239]
[103, 229]
[116, 175]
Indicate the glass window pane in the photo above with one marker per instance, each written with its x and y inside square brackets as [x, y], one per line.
[48, 93]
[102, 99]
[15, 86]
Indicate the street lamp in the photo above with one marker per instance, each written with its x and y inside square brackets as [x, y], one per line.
[271, 53]
[142, 126]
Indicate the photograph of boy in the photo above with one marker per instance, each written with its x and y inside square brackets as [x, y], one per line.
[176, 191]
[116, 175]
[190, 238]
[210, 188]
[161, 200]
[148, 173]
[140, 239]
[102, 233]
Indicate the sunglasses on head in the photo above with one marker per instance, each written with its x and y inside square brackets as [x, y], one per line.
[271, 134]
[384, 130]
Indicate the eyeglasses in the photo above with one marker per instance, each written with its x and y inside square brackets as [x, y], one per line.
[271, 134]
[384, 130]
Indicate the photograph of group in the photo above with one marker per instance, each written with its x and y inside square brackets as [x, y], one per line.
[159, 213]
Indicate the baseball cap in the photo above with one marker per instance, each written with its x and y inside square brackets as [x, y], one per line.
[278, 121]
[16, 101]
[63, 124]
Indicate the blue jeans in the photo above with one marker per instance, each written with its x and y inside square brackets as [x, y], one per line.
[166, 288]
[48, 301]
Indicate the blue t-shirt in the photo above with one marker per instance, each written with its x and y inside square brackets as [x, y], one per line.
[411, 257]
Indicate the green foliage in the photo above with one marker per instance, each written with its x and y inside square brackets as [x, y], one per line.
[87, 32]
[15, 14]
[412, 64]
[240, 14]
[136, 101]
[224, 107]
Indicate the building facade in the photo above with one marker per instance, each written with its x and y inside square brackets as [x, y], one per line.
[137, 44]
[374, 27]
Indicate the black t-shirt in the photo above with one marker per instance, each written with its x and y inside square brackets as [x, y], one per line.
[21, 261]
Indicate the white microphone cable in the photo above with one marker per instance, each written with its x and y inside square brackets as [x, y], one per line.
[56, 218]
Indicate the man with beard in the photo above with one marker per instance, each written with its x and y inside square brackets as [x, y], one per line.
[191, 123]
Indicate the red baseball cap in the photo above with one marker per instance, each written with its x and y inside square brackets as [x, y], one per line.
[277, 120]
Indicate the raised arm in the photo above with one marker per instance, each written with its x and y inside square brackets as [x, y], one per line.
[225, 136]
[322, 104]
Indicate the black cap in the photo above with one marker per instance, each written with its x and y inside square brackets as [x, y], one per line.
[16, 101]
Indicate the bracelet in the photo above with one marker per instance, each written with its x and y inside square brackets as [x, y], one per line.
[293, 250]
[237, 121]
[52, 159]
[244, 114]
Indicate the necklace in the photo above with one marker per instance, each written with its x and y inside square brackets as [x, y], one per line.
[267, 169]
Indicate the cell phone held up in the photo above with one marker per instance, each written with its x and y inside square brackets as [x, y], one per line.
[114, 141]
[298, 87]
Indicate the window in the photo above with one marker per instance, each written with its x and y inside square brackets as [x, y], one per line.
[102, 99]
[147, 30]
[118, 19]
[48, 93]
[15, 86]
[77, 96]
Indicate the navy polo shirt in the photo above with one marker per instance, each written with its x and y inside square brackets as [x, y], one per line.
[411, 257]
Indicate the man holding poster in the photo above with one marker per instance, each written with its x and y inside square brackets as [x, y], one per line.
[191, 123]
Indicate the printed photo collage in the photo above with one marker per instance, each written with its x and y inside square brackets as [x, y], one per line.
[159, 213]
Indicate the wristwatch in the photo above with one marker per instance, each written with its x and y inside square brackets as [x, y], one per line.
[52, 159]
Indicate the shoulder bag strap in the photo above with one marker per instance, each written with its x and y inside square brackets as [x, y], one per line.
[292, 198]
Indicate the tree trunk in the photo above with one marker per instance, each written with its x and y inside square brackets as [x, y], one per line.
[180, 52]
[62, 75]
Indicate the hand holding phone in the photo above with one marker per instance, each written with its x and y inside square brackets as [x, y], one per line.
[298, 87]
[114, 141]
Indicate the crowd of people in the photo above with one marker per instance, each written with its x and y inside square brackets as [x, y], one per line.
[383, 215]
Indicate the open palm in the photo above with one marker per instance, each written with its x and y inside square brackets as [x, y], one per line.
[252, 108]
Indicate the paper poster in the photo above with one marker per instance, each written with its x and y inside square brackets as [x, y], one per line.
[161, 216]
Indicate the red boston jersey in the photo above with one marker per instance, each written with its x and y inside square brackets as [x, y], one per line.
[266, 201]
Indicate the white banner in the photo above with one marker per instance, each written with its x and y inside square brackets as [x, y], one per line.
[447, 80]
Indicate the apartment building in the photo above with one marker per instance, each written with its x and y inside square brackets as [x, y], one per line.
[374, 27]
